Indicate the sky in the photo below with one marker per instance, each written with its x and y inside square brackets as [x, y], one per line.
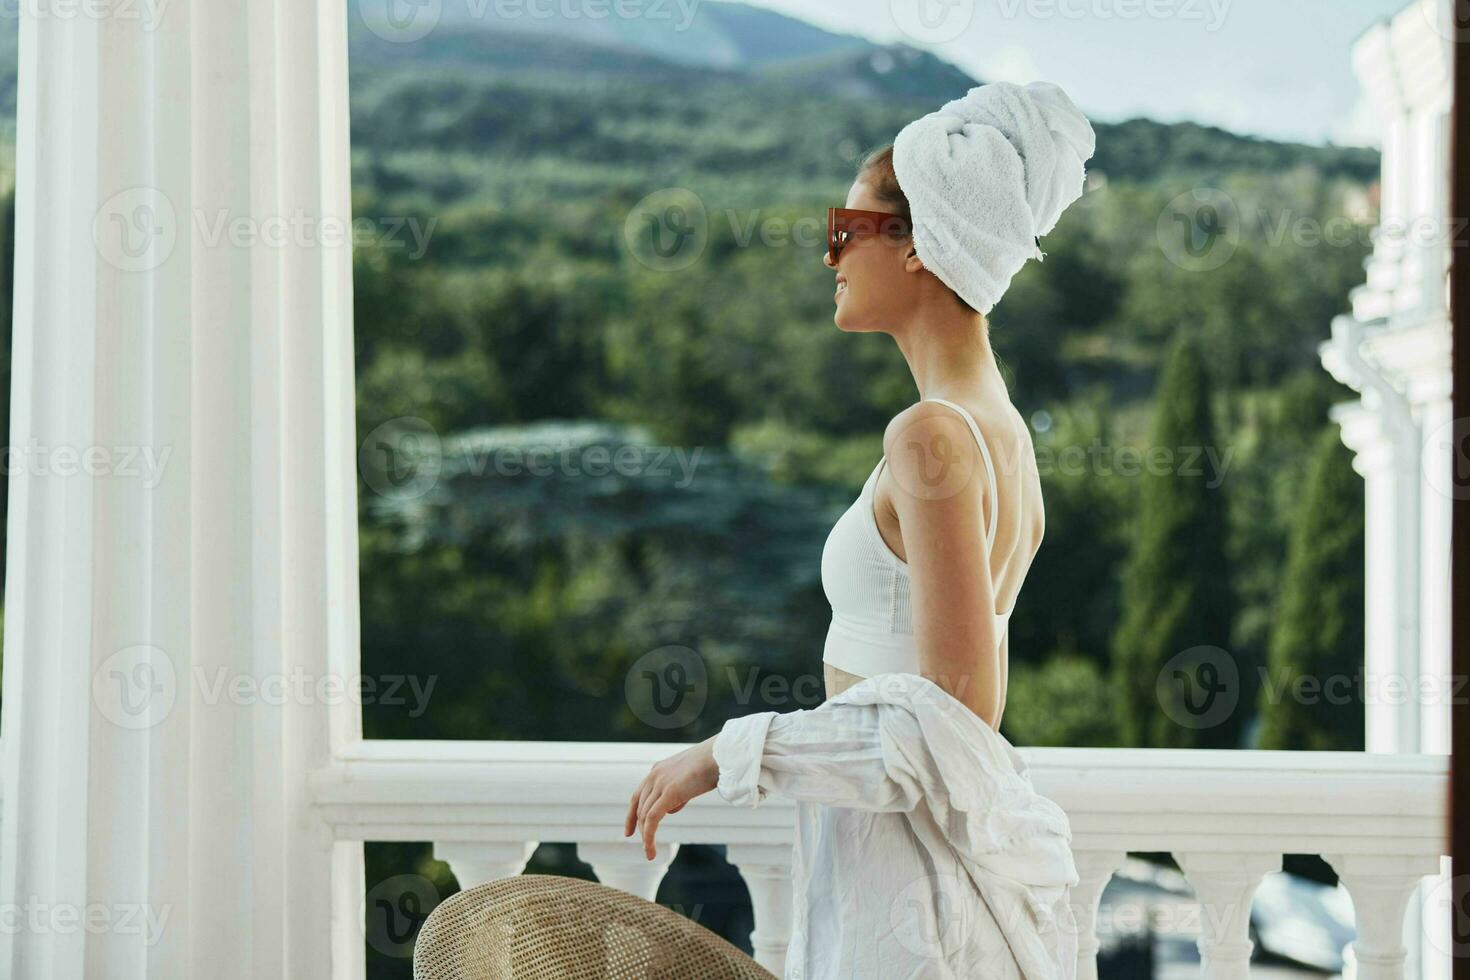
[1280, 69]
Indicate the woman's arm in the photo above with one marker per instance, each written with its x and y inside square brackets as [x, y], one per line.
[939, 494]
[832, 755]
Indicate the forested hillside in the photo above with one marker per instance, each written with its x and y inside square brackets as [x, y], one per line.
[531, 302]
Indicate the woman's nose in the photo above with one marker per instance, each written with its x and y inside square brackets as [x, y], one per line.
[827, 260]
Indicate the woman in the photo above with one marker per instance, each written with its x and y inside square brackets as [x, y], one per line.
[921, 847]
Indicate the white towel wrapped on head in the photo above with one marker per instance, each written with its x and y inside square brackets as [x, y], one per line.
[986, 176]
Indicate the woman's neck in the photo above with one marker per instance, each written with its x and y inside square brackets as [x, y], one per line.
[947, 352]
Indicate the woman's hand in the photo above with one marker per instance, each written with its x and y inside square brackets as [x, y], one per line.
[667, 787]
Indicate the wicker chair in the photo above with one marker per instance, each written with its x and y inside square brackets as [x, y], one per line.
[546, 927]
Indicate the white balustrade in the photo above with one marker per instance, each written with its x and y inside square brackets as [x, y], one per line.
[1094, 868]
[623, 865]
[766, 869]
[1227, 816]
[1381, 886]
[1224, 883]
[476, 862]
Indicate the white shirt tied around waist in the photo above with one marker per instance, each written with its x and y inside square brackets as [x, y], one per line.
[922, 849]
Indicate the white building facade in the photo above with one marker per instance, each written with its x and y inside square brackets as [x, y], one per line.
[1394, 349]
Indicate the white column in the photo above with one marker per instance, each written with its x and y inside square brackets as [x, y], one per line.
[766, 869]
[1386, 445]
[1094, 870]
[622, 865]
[173, 585]
[1224, 885]
[1381, 887]
[477, 862]
[1445, 471]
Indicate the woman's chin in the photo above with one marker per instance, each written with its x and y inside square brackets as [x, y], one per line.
[844, 319]
[848, 323]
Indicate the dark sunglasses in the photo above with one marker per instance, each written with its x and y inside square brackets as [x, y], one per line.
[844, 223]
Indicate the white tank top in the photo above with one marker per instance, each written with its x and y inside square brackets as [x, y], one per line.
[867, 585]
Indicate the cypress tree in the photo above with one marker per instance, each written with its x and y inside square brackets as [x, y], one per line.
[1178, 684]
[1313, 697]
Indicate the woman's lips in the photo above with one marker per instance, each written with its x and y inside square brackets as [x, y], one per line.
[841, 288]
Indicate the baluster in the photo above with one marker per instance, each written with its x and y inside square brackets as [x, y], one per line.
[476, 862]
[1094, 869]
[621, 864]
[1224, 885]
[1380, 886]
[766, 869]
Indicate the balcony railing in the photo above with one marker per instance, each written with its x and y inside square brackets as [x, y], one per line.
[1226, 816]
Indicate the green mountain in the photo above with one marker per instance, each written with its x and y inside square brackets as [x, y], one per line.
[724, 44]
[762, 77]
[696, 33]
[766, 107]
